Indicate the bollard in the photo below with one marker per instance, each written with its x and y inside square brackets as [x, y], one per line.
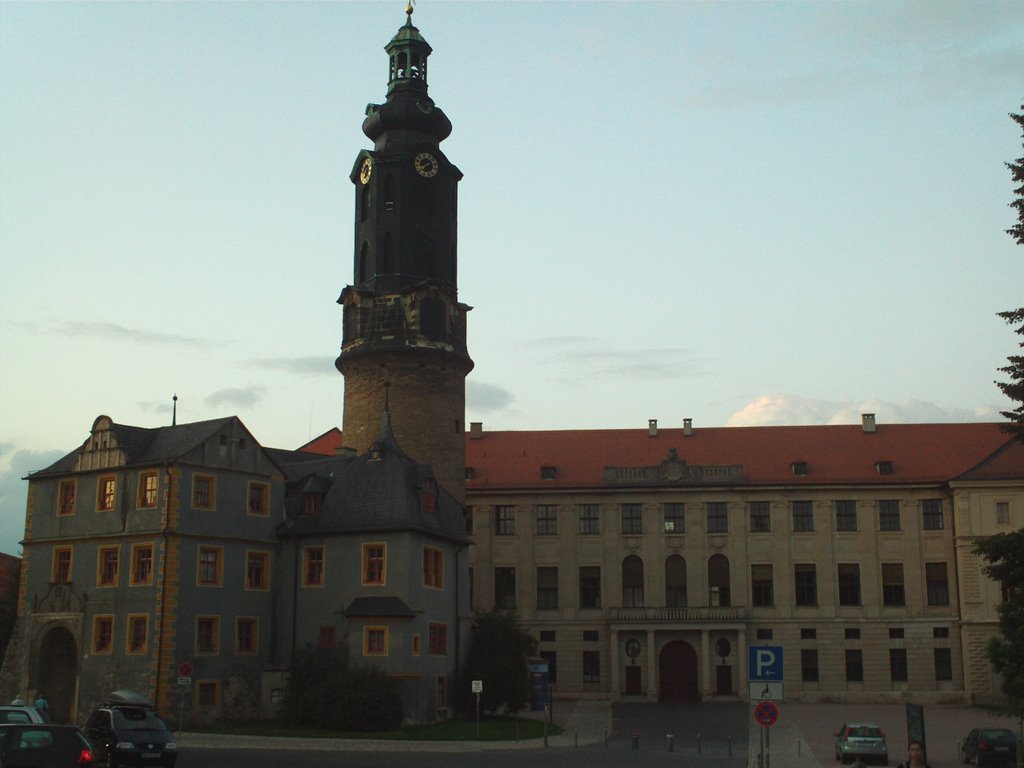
[698, 743]
[730, 746]
[670, 742]
[636, 740]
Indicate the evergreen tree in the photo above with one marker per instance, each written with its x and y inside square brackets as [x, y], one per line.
[1014, 388]
[1005, 556]
[500, 657]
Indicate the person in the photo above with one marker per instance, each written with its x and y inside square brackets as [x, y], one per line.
[43, 707]
[915, 756]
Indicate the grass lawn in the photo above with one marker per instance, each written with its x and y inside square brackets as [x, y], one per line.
[491, 729]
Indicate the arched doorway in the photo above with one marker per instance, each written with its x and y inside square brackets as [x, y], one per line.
[56, 672]
[677, 672]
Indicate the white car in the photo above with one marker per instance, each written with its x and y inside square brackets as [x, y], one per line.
[10, 713]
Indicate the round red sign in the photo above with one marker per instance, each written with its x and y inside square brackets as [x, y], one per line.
[185, 669]
[766, 713]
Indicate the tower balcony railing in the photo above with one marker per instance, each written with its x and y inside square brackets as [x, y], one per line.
[677, 615]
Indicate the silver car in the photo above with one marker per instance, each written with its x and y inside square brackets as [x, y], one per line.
[861, 740]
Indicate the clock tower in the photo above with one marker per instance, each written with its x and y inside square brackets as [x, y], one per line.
[404, 329]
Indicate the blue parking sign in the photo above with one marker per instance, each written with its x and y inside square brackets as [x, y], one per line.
[764, 662]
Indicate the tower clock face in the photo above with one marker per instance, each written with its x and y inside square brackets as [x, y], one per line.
[365, 171]
[426, 165]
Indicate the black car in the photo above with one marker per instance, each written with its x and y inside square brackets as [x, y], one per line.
[44, 745]
[989, 746]
[126, 731]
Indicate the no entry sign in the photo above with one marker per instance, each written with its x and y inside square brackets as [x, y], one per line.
[766, 713]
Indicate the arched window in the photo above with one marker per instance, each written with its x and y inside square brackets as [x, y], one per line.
[675, 581]
[718, 580]
[633, 582]
[389, 193]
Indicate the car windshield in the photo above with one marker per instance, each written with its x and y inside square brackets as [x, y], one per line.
[138, 720]
[864, 732]
[996, 735]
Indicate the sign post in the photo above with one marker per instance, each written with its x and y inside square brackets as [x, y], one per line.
[765, 673]
[185, 670]
[478, 687]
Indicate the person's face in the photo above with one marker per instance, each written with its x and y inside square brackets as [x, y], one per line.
[916, 753]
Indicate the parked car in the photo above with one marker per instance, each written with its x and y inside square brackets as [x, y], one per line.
[861, 740]
[989, 746]
[44, 745]
[126, 731]
[10, 713]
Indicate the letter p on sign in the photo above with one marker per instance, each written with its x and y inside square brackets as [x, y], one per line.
[765, 662]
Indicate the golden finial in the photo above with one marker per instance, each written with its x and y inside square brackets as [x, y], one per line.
[409, 8]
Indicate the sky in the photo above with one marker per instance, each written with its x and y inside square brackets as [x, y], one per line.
[744, 213]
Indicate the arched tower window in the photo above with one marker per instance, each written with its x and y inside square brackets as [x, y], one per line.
[632, 582]
[389, 193]
[403, 63]
[675, 581]
[718, 580]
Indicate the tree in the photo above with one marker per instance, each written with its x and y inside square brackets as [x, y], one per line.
[500, 657]
[1004, 554]
[1014, 388]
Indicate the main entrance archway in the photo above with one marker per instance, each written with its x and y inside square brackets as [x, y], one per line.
[56, 671]
[677, 672]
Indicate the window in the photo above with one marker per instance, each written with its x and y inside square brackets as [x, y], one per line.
[674, 519]
[1002, 511]
[433, 568]
[61, 573]
[106, 493]
[798, 468]
[854, 665]
[893, 592]
[718, 517]
[590, 586]
[209, 567]
[313, 567]
[849, 584]
[718, 581]
[504, 521]
[808, 633]
[428, 495]
[207, 635]
[632, 582]
[442, 691]
[415, 645]
[760, 517]
[327, 636]
[761, 588]
[675, 582]
[889, 515]
[591, 667]
[311, 504]
[142, 565]
[203, 494]
[764, 633]
[896, 633]
[259, 499]
[590, 519]
[107, 564]
[932, 514]
[846, 515]
[632, 518]
[548, 473]
[937, 583]
[505, 589]
[898, 665]
[803, 516]
[208, 693]
[591, 635]
[547, 587]
[374, 565]
[547, 635]
[103, 634]
[943, 664]
[138, 632]
[66, 492]
[375, 641]
[437, 639]
[547, 520]
[257, 570]
[851, 633]
[940, 632]
[148, 484]
[809, 665]
[805, 582]
[246, 636]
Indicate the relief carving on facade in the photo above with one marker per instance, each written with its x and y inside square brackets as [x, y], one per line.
[59, 599]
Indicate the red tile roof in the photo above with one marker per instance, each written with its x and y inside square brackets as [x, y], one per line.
[835, 454]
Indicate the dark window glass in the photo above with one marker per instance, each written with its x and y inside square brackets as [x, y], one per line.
[547, 520]
[809, 665]
[893, 592]
[505, 589]
[761, 588]
[632, 518]
[937, 583]
[846, 515]
[849, 584]
[932, 517]
[889, 515]
[803, 516]
[760, 517]
[806, 584]
[674, 518]
[590, 519]
[898, 665]
[943, 664]
[854, 665]
[590, 586]
[547, 587]
[718, 516]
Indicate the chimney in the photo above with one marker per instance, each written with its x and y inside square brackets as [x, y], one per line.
[652, 427]
[476, 430]
[687, 427]
[867, 422]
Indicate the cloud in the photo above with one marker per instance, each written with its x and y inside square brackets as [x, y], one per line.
[242, 397]
[582, 357]
[316, 364]
[14, 465]
[481, 396]
[119, 333]
[776, 410]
